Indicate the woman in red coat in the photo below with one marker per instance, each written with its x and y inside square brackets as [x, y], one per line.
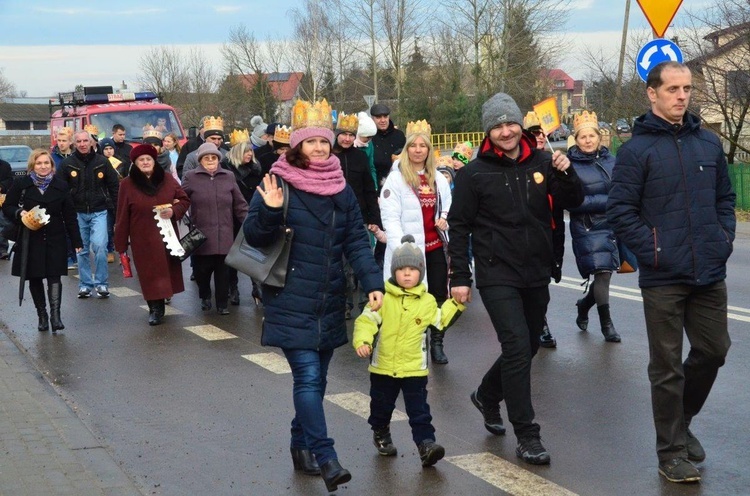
[159, 273]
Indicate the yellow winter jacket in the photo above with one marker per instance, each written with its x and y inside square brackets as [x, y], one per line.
[397, 331]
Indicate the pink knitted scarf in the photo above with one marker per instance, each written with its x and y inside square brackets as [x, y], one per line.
[321, 178]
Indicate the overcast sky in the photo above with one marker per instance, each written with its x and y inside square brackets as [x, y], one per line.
[47, 46]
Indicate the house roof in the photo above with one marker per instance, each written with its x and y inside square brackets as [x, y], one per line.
[284, 85]
[14, 112]
[731, 29]
[561, 75]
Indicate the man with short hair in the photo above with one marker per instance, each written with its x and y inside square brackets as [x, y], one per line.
[500, 199]
[62, 148]
[94, 185]
[672, 204]
[122, 148]
[387, 141]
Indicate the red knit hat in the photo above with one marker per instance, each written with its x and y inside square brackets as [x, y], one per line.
[142, 149]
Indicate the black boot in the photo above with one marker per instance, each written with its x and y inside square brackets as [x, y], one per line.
[584, 305]
[54, 291]
[40, 302]
[546, 340]
[158, 311]
[608, 328]
[430, 452]
[436, 346]
[151, 312]
[334, 474]
[381, 438]
[304, 460]
[234, 295]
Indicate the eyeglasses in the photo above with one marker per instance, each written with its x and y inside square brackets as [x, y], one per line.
[538, 132]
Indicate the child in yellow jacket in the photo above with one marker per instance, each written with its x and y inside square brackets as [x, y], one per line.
[395, 339]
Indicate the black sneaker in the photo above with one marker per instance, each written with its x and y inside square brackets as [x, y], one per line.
[530, 450]
[546, 340]
[493, 421]
[679, 470]
[430, 452]
[381, 438]
[695, 451]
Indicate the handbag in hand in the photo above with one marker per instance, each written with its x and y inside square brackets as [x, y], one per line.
[268, 264]
[9, 229]
[191, 242]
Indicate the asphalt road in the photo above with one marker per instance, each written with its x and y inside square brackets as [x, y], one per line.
[190, 409]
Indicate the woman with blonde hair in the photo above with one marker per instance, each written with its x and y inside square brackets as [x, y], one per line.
[415, 200]
[172, 144]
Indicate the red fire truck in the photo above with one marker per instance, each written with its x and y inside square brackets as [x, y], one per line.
[102, 107]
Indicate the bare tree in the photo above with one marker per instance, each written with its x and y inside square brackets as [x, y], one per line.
[343, 43]
[717, 40]
[366, 12]
[312, 46]
[163, 71]
[7, 89]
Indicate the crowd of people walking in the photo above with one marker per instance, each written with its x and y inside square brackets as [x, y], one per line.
[387, 232]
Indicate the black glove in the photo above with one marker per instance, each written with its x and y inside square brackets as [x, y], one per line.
[557, 272]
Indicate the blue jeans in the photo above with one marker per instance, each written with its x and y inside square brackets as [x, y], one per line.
[93, 229]
[309, 370]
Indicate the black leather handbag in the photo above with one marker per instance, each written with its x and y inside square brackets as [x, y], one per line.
[191, 242]
[268, 264]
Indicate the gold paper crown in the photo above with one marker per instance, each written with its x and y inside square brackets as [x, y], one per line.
[348, 123]
[444, 160]
[583, 120]
[91, 129]
[530, 120]
[306, 114]
[418, 127]
[239, 136]
[66, 130]
[282, 134]
[464, 149]
[150, 132]
[213, 124]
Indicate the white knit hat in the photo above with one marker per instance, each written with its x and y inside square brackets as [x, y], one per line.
[367, 126]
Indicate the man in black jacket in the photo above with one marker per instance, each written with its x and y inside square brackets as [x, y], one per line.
[501, 200]
[6, 181]
[387, 141]
[672, 204]
[94, 185]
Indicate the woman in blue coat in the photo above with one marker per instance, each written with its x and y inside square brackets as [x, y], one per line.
[594, 243]
[306, 317]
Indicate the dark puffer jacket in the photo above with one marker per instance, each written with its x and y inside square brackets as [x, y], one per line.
[308, 313]
[92, 180]
[594, 243]
[356, 167]
[504, 204]
[672, 203]
[386, 143]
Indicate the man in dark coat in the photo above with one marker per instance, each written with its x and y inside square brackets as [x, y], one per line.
[122, 147]
[501, 200]
[672, 204]
[6, 181]
[387, 141]
[94, 185]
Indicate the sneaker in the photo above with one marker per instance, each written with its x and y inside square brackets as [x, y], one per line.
[102, 292]
[493, 421]
[679, 470]
[546, 340]
[530, 450]
[110, 257]
[430, 452]
[695, 451]
[381, 438]
[84, 292]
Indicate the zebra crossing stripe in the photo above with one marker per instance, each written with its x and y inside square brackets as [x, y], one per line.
[209, 332]
[270, 361]
[359, 404]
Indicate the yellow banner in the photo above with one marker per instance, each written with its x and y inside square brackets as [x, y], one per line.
[546, 110]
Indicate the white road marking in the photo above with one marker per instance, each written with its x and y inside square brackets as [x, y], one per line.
[168, 310]
[359, 404]
[270, 361]
[506, 476]
[76, 276]
[210, 332]
[123, 292]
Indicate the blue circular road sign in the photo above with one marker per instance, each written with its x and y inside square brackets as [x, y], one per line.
[655, 52]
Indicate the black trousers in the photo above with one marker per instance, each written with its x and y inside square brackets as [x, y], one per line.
[679, 389]
[437, 275]
[383, 393]
[518, 317]
[203, 267]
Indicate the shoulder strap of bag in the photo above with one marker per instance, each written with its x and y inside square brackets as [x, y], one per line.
[285, 192]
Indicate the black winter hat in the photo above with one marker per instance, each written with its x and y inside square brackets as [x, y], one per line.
[380, 109]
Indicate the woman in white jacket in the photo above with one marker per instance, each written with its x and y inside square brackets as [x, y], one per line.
[415, 200]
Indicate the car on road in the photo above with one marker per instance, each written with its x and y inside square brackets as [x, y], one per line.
[17, 156]
[622, 126]
[561, 133]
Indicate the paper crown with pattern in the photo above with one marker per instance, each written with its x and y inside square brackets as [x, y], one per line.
[418, 127]
[585, 120]
[282, 134]
[66, 130]
[91, 129]
[444, 160]
[306, 114]
[465, 149]
[238, 136]
[212, 123]
[348, 123]
[150, 132]
[531, 120]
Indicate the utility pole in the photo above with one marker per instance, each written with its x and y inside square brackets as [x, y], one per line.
[618, 83]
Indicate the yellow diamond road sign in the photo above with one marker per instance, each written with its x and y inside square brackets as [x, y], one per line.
[659, 13]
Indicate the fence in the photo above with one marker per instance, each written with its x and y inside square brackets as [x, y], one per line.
[739, 174]
[449, 141]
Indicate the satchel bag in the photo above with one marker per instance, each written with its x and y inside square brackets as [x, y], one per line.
[268, 264]
[628, 262]
[191, 242]
[9, 229]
